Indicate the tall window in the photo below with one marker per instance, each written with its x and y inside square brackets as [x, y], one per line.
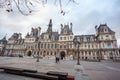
[88, 39]
[64, 46]
[81, 39]
[44, 46]
[60, 38]
[48, 46]
[108, 45]
[41, 46]
[55, 45]
[92, 46]
[89, 46]
[101, 37]
[60, 46]
[64, 38]
[96, 45]
[70, 37]
[113, 37]
[51, 45]
[85, 45]
[103, 45]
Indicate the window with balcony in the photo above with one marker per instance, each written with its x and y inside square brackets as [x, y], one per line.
[88, 46]
[48, 46]
[55, 46]
[41, 46]
[64, 38]
[60, 38]
[108, 45]
[44, 46]
[60, 46]
[70, 37]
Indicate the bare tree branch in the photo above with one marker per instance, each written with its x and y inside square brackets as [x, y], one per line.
[26, 7]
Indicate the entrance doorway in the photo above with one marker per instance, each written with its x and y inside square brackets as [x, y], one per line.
[62, 55]
[29, 53]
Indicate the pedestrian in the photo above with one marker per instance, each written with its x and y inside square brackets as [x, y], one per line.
[57, 59]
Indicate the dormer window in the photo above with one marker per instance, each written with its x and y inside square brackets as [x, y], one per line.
[106, 35]
[78, 38]
[65, 31]
[88, 39]
[105, 29]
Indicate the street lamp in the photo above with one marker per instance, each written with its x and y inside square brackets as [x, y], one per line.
[77, 44]
[99, 50]
[38, 55]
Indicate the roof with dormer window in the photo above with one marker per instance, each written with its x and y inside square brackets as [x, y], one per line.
[66, 30]
[102, 28]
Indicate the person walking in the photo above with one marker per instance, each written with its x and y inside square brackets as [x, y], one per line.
[57, 59]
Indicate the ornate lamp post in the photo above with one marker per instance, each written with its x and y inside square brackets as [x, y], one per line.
[38, 55]
[77, 44]
[38, 46]
[99, 50]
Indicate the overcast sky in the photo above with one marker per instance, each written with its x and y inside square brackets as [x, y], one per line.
[84, 17]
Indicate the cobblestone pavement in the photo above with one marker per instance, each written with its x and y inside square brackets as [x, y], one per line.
[95, 70]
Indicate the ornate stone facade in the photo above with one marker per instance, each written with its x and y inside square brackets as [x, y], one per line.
[15, 45]
[3, 43]
[102, 45]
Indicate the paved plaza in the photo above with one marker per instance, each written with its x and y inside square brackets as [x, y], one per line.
[105, 70]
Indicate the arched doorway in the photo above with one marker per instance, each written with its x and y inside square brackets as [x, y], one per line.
[29, 53]
[62, 55]
[111, 56]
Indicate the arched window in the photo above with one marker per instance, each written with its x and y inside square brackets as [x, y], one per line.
[47, 53]
[51, 53]
[48, 46]
[45, 46]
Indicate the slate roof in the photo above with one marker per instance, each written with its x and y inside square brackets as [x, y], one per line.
[69, 31]
[3, 39]
[15, 36]
[55, 34]
[102, 26]
[19, 41]
[28, 35]
[86, 36]
[34, 33]
[82, 37]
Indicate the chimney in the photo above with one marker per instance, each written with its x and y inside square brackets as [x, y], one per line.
[96, 29]
[20, 36]
[39, 31]
[71, 25]
[61, 26]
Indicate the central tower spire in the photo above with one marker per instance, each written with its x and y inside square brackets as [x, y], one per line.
[49, 30]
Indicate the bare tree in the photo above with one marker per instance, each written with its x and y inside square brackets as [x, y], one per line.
[26, 7]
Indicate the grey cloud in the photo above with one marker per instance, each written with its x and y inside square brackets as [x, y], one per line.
[83, 16]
